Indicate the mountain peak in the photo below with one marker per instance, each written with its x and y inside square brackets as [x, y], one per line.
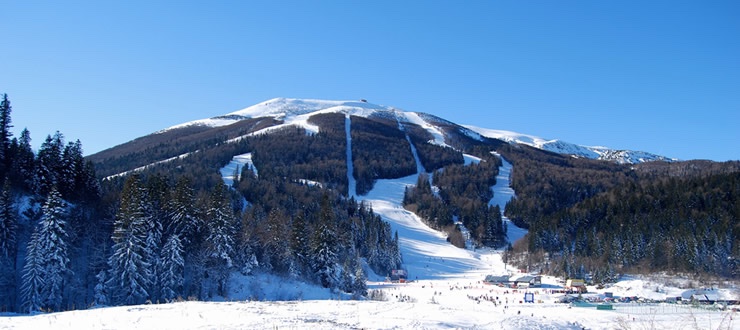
[285, 108]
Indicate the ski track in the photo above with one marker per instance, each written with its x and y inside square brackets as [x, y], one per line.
[351, 183]
[502, 194]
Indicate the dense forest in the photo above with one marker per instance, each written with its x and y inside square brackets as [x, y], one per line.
[597, 218]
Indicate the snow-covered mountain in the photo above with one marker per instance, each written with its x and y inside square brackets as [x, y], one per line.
[562, 147]
[297, 111]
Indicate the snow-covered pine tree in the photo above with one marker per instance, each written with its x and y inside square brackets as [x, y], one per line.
[395, 253]
[33, 276]
[298, 246]
[275, 251]
[130, 273]
[152, 255]
[359, 287]
[100, 292]
[48, 164]
[323, 246]
[8, 249]
[8, 224]
[5, 133]
[220, 242]
[172, 269]
[52, 244]
[22, 172]
[183, 215]
[71, 170]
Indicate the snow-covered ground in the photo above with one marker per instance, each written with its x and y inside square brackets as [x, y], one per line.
[445, 292]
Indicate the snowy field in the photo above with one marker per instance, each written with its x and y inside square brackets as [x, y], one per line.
[445, 292]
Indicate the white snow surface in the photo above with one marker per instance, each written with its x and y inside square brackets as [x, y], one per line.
[291, 111]
[237, 162]
[562, 147]
[414, 118]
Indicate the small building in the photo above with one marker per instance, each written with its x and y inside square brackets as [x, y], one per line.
[533, 281]
[398, 276]
[575, 285]
[497, 280]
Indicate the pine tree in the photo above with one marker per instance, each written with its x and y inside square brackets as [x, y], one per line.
[324, 249]
[52, 241]
[100, 292]
[220, 241]
[33, 276]
[72, 171]
[130, 274]
[152, 256]
[359, 287]
[8, 224]
[183, 218]
[299, 245]
[275, 250]
[172, 269]
[5, 134]
[8, 248]
[48, 164]
[24, 163]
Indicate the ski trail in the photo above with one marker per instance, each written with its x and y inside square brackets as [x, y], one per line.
[232, 171]
[351, 183]
[502, 194]
[426, 253]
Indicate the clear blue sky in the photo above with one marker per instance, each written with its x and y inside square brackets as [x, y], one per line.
[657, 76]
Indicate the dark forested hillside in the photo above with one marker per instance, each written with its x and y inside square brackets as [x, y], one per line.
[600, 218]
[379, 150]
[171, 143]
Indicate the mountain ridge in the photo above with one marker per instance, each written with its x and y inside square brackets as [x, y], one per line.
[294, 111]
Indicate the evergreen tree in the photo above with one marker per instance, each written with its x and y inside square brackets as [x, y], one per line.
[5, 134]
[48, 164]
[359, 287]
[183, 218]
[8, 224]
[101, 294]
[33, 276]
[172, 269]
[276, 252]
[220, 241]
[22, 171]
[130, 273]
[54, 247]
[72, 171]
[299, 245]
[8, 249]
[324, 249]
[152, 256]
